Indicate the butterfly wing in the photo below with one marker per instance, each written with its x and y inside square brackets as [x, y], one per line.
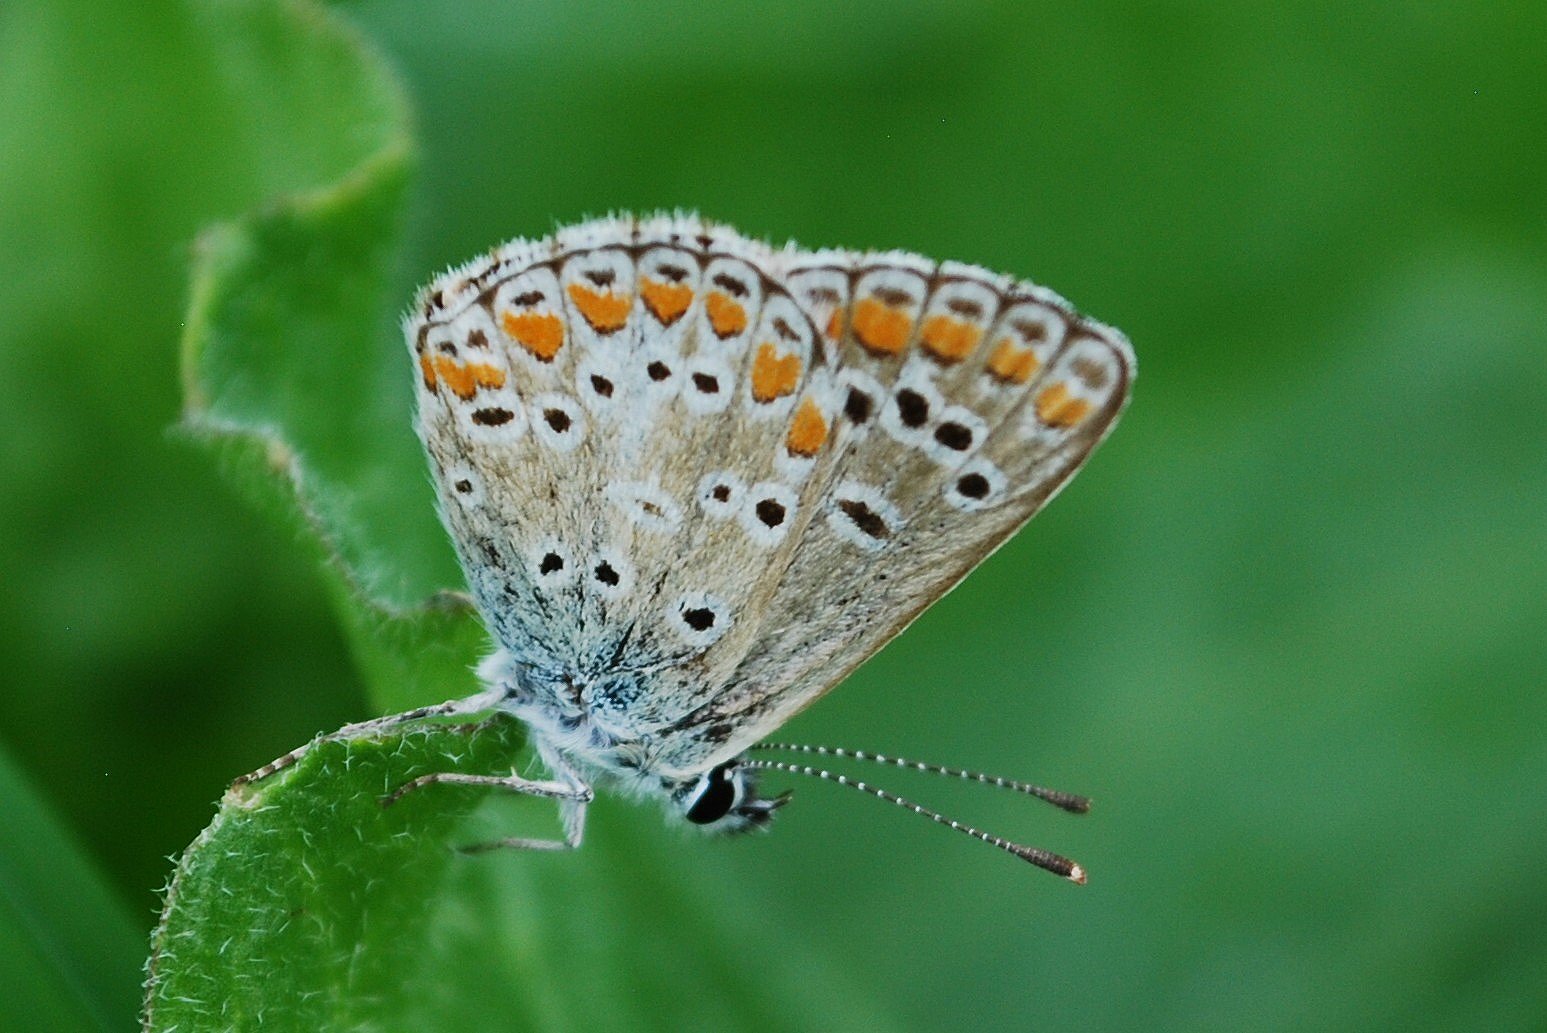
[619, 422]
[966, 402]
[693, 482]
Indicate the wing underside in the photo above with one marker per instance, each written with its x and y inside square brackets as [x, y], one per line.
[695, 481]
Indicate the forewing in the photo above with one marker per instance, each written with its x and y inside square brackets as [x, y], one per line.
[966, 401]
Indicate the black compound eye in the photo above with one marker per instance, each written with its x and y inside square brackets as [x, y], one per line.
[715, 799]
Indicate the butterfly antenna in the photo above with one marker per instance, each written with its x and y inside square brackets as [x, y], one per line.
[1066, 801]
[1043, 859]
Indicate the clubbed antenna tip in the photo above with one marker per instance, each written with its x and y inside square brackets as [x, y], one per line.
[1050, 862]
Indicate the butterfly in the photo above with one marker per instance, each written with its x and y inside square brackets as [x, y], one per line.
[694, 481]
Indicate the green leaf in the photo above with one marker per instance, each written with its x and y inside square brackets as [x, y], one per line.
[293, 374]
[302, 905]
[305, 904]
[69, 955]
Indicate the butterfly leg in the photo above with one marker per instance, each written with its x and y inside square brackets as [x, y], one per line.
[571, 813]
[377, 725]
[572, 794]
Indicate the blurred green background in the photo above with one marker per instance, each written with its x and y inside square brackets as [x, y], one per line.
[1287, 629]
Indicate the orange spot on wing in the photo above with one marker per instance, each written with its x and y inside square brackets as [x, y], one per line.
[485, 375]
[725, 314]
[1012, 363]
[774, 375]
[883, 330]
[427, 369]
[949, 339]
[1056, 408]
[541, 333]
[835, 326]
[808, 430]
[604, 310]
[456, 376]
[465, 380]
[666, 301]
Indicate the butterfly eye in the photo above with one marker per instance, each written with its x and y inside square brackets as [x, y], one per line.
[714, 796]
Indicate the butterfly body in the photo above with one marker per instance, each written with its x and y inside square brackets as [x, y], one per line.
[694, 481]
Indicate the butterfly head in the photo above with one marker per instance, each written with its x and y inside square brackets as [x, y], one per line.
[724, 799]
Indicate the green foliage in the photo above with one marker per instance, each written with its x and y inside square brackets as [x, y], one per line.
[1285, 629]
[68, 951]
[303, 905]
